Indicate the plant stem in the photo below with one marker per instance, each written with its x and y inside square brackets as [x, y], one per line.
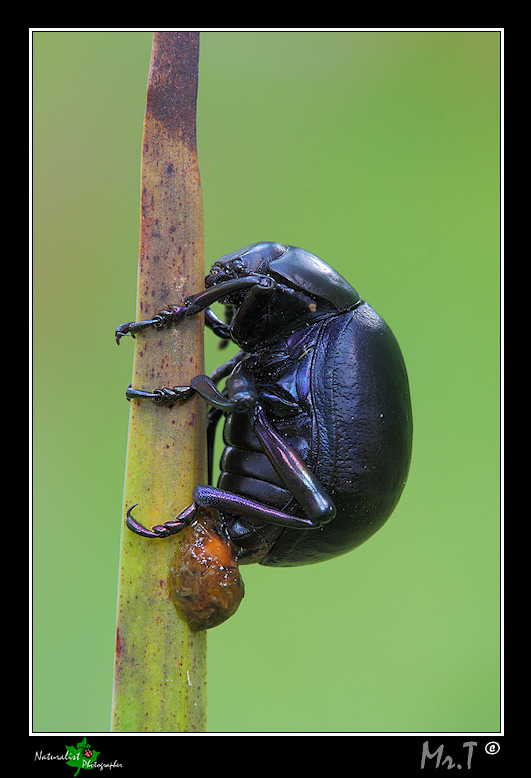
[160, 669]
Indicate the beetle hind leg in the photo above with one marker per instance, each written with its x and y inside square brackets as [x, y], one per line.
[161, 530]
[221, 500]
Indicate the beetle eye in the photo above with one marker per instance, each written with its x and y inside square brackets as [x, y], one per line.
[237, 266]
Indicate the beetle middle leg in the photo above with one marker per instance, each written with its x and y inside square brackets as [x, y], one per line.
[240, 395]
[175, 395]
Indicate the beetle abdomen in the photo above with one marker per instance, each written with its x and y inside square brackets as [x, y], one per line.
[361, 438]
[253, 464]
[255, 489]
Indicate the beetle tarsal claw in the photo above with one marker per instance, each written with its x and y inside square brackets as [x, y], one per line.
[122, 330]
[138, 528]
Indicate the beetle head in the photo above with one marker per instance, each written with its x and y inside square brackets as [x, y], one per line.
[254, 259]
[294, 285]
[296, 268]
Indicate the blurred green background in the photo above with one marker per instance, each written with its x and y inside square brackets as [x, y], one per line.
[378, 151]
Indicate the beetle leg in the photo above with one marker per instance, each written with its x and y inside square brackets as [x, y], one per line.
[295, 474]
[207, 389]
[226, 368]
[193, 304]
[162, 319]
[211, 497]
[240, 390]
[241, 387]
[213, 417]
[165, 396]
[241, 395]
[218, 327]
[214, 414]
[162, 530]
[202, 300]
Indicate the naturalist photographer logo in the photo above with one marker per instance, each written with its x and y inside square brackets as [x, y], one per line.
[81, 757]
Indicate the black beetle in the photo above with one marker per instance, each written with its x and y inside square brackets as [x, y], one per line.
[318, 426]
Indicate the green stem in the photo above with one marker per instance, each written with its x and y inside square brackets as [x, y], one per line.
[160, 669]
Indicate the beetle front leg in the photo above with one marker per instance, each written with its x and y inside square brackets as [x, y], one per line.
[173, 314]
[193, 304]
[162, 319]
